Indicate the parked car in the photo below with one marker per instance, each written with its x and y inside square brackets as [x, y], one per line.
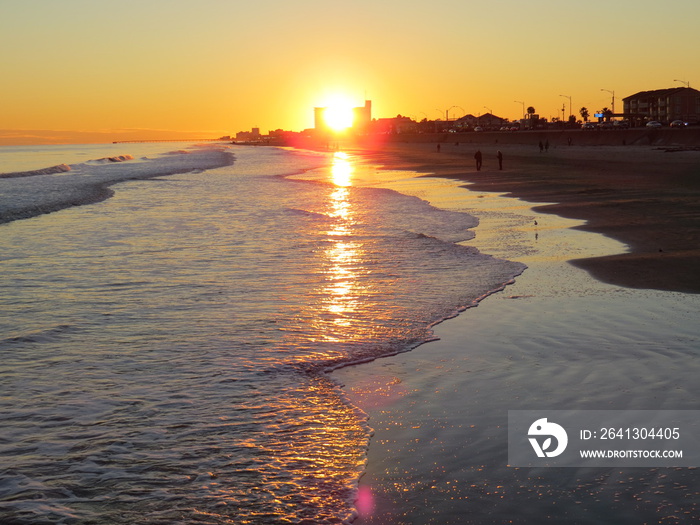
[478, 128]
[678, 124]
[654, 124]
[589, 125]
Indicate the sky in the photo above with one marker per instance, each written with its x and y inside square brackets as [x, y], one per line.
[100, 70]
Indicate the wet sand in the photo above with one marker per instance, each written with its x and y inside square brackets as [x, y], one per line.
[557, 338]
[643, 196]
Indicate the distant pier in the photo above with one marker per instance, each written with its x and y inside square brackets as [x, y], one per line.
[168, 140]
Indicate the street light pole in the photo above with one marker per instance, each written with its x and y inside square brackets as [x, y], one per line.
[447, 112]
[569, 97]
[447, 118]
[613, 99]
[686, 82]
[436, 122]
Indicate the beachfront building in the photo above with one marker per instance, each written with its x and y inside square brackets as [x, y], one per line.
[320, 124]
[362, 117]
[663, 105]
[485, 121]
[248, 136]
[394, 126]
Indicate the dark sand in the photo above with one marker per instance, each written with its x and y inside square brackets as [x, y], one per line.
[643, 196]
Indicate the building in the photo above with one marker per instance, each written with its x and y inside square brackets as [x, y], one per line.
[362, 116]
[249, 136]
[486, 121]
[663, 105]
[393, 126]
[319, 119]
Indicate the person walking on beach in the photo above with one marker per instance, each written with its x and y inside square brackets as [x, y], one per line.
[499, 156]
[541, 147]
[477, 157]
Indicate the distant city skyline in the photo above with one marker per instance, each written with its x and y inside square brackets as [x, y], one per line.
[79, 70]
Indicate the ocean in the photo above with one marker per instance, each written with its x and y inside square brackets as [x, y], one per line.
[170, 315]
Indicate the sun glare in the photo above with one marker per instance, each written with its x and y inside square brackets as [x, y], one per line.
[338, 115]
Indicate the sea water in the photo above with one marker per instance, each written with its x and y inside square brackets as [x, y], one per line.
[165, 340]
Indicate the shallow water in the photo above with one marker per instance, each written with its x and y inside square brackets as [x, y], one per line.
[556, 339]
[163, 349]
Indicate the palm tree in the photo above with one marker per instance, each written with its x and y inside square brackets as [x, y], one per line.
[584, 113]
[530, 111]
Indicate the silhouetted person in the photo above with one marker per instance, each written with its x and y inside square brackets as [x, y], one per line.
[499, 155]
[438, 148]
[541, 147]
[477, 157]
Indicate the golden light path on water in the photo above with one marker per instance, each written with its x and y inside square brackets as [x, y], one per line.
[329, 436]
[343, 255]
[340, 311]
[376, 273]
[343, 292]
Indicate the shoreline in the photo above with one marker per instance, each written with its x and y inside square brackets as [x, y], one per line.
[556, 338]
[645, 197]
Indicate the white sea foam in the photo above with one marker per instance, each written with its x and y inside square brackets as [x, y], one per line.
[36, 192]
[113, 158]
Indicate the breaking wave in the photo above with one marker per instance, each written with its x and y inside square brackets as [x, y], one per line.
[116, 158]
[60, 168]
[24, 196]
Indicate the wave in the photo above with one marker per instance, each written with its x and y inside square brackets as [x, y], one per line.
[41, 335]
[309, 214]
[116, 158]
[178, 152]
[89, 182]
[60, 168]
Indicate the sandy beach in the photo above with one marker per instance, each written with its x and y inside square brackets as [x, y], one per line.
[647, 197]
[603, 318]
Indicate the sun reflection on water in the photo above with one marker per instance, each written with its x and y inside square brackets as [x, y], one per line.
[342, 169]
[341, 298]
[343, 307]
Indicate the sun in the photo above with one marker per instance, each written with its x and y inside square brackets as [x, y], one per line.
[338, 115]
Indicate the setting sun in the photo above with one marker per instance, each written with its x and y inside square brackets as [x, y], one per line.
[338, 117]
[338, 114]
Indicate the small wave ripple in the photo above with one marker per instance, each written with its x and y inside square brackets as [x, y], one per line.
[114, 158]
[60, 168]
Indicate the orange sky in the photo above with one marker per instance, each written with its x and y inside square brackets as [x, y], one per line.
[91, 70]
